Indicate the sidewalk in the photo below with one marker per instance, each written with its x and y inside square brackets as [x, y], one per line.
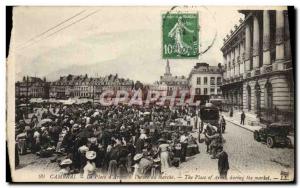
[236, 119]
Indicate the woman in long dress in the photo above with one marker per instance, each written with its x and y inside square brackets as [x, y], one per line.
[90, 167]
[163, 148]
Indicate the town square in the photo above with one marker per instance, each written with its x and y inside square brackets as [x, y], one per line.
[179, 94]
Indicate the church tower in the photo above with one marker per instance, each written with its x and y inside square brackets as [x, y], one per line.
[168, 71]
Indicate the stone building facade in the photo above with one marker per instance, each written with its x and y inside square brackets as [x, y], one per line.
[82, 86]
[258, 75]
[64, 87]
[32, 87]
[206, 80]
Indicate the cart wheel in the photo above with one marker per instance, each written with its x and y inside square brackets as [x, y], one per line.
[256, 136]
[270, 142]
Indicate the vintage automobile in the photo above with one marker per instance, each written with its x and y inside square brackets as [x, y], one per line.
[274, 134]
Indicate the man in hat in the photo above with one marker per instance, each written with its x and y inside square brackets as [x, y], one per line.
[65, 167]
[223, 164]
[216, 142]
[136, 166]
[222, 124]
[210, 133]
[82, 150]
[143, 165]
[243, 116]
[184, 144]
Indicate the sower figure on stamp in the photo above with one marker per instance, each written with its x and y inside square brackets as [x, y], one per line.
[177, 33]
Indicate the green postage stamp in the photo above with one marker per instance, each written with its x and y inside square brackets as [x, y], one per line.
[180, 35]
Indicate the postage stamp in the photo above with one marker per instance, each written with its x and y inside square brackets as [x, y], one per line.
[180, 35]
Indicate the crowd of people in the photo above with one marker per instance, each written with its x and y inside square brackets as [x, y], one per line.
[120, 141]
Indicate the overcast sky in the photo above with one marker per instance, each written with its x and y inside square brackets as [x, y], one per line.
[122, 40]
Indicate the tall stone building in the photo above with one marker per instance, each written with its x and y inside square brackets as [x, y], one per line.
[206, 80]
[258, 73]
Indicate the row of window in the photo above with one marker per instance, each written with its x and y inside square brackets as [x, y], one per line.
[205, 91]
[174, 83]
[212, 80]
[31, 90]
[83, 94]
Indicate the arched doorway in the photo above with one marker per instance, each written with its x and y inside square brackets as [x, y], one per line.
[249, 97]
[258, 100]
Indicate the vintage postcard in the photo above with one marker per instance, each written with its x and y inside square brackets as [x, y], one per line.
[195, 94]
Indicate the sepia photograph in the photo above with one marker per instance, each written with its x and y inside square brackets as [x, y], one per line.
[151, 94]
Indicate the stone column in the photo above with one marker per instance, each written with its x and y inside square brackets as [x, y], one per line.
[232, 62]
[242, 50]
[287, 45]
[255, 42]
[247, 47]
[228, 64]
[266, 38]
[241, 97]
[237, 71]
[235, 62]
[225, 63]
[279, 35]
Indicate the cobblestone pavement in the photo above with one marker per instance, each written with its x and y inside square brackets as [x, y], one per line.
[246, 157]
